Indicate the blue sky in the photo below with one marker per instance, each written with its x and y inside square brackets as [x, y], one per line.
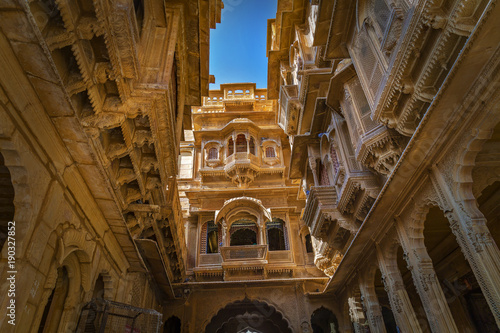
[238, 44]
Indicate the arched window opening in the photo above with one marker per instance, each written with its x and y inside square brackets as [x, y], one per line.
[54, 308]
[212, 238]
[98, 288]
[252, 146]
[7, 208]
[213, 153]
[324, 321]
[172, 325]
[243, 233]
[309, 246]
[276, 238]
[241, 143]
[270, 152]
[230, 147]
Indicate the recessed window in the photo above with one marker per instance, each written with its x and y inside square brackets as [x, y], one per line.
[230, 147]
[212, 238]
[276, 238]
[309, 247]
[252, 146]
[213, 153]
[241, 143]
[270, 152]
[243, 233]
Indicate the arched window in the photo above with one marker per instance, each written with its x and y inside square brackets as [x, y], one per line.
[210, 238]
[252, 146]
[309, 246]
[276, 238]
[323, 320]
[213, 153]
[241, 143]
[230, 147]
[243, 233]
[270, 152]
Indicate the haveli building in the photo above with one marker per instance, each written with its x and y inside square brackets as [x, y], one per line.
[359, 192]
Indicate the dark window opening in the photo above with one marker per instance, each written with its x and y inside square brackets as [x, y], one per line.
[243, 237]
[276, 238]
[212, 238]
[252, 146]
[139, 14]
[309, 247]
[230, 147]
[270, 152]
[241, 143]
[213, 153]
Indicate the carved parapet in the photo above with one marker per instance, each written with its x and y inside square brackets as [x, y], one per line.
[438, 35]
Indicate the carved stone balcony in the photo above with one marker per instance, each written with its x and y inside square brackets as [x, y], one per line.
[321, 205]
[289, 109]
[242, 168]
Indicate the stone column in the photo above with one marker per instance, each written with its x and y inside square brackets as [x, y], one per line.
[400, 302]
[357, 315]
[469, 226]
[428, 287]
[483, 256]
[372, 306]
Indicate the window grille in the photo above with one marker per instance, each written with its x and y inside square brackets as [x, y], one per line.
[241, 143]
[252, 146]
[230, 147]
[213, 153]
[270, 152]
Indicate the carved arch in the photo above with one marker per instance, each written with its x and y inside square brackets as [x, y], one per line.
[222, 316]
[463, 182]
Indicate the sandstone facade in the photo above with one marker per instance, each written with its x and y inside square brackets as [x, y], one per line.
[359, 192]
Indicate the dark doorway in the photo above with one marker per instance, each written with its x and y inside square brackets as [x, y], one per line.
[324, 321]
[172, 325]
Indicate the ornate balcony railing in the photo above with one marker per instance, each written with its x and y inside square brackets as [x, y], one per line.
[232, 254]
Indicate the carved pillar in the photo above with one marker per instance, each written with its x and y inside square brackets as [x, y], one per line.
[372, 306]
[357, 315]
[469, 226]
[483, 256]
[262, 239]
[428, 287]
[398, 297]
